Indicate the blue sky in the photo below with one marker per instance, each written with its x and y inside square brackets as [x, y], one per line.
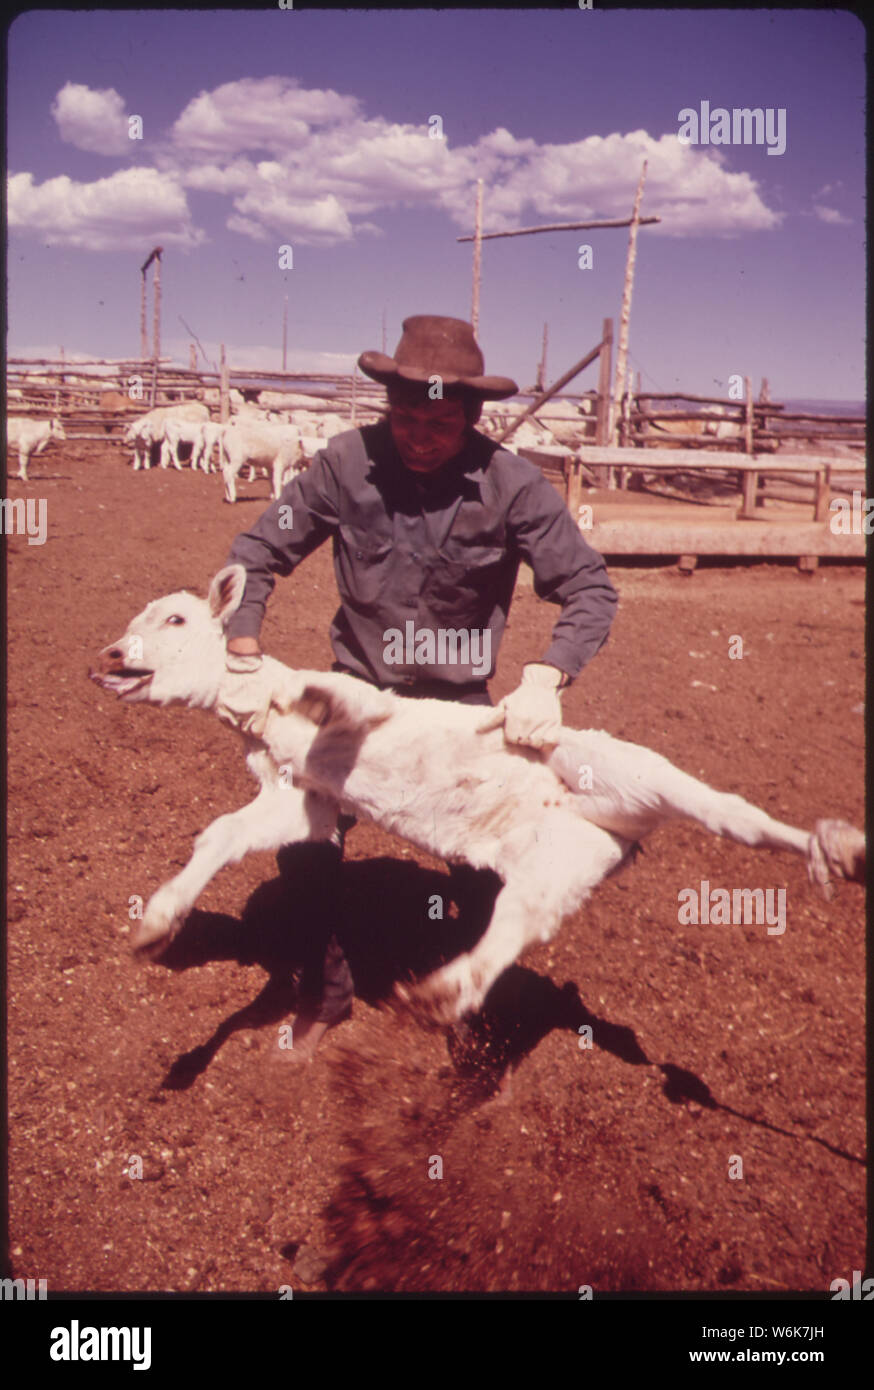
[289, 127]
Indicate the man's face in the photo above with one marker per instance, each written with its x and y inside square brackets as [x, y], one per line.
[428, 434]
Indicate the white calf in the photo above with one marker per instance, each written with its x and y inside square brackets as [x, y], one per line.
[211, 434]
[255, 442]
[30, 437]
[176, 432]
[435, 772]
[148, 429]
[140, 436]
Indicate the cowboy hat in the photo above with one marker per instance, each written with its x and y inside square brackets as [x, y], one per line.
[434, 346]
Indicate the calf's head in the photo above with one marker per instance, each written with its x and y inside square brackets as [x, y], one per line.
[175, 649]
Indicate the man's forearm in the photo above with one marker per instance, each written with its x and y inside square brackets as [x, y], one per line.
[567, 571]
[273, 546]
[582, 629]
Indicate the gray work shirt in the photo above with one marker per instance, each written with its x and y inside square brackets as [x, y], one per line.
[437, 557]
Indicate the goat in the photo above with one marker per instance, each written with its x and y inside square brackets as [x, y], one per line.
[438, 773]
[176, 432]
[259, 442]
[30, 437]
[211, 434]
[148, 429]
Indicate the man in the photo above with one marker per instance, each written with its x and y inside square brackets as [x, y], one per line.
[429, 521]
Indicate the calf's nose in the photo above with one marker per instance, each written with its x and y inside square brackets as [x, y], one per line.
[110, 659]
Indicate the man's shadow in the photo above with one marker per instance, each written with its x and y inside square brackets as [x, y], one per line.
[381, 910]
[381, 914]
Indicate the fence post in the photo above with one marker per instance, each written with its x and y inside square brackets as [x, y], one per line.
[748, 403]
[603, 473]
[224, 390]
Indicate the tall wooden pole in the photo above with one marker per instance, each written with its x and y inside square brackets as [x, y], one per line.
[144, 340]
[477, 256]
[541, 368]
[749, 418]
[224, 389]
[156, 320]
[604, 474]
[622, 346]
[154, 255]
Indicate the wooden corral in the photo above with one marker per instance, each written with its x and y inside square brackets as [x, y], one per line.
[689, 530]
[748, 473]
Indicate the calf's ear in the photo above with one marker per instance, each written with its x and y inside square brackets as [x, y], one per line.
[226, 592]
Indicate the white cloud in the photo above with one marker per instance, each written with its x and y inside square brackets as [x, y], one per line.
[347, 166]
[92, 120]
[832, 216]
[309, 167]
[595, 178]
[271, 113]
[128, 211]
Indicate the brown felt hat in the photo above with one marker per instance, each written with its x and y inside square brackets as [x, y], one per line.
[434, 346]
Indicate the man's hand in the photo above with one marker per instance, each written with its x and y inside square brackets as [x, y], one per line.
[243, 655]
[532, 713]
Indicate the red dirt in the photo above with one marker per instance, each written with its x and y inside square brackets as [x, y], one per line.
[561, 1166]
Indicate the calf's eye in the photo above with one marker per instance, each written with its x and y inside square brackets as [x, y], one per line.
[175, 619]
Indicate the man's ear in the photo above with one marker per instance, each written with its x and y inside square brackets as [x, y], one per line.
[226, 592]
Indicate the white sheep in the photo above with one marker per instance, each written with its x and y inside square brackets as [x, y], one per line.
[30, 437]
[435, 772]
[211, 434]
[270, 445]
[148, 429]
[176, 432]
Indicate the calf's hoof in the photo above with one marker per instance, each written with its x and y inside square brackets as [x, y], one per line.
[817, 867]
[149, 948]
[434, 1001]
[841, 847]
[151, 938]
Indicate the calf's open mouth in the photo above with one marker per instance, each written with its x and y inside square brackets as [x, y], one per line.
[123, 682]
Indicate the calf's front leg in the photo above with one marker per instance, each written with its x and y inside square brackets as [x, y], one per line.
[279, 815]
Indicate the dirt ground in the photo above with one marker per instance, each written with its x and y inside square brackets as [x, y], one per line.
[614, 1166]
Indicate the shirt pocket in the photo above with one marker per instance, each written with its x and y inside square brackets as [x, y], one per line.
[464, 590]
[361, 563]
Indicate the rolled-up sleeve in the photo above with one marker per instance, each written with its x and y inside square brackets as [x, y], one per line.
[567, 571]
[281, 538]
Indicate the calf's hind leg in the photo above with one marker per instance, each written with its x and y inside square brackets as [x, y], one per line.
[545, 878]
[278, 816]
[634, 790]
